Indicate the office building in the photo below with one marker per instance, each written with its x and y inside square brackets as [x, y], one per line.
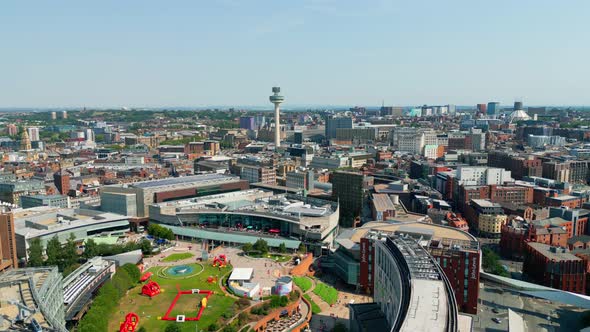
[29, 201]
[247, 122]
[147, 192]
[10, 191]
[33, 133]
[338, 122]
[482, 108]
[350, 189]
[485, 217]
[258, 174]
[12, 129]
[493, 108]
[298, 137]
[301, 179]
[555, 267]
[61, 180]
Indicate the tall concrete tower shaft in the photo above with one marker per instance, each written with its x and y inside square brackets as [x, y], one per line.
[277, 99]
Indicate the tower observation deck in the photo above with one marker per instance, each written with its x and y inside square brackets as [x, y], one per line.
[277, 99]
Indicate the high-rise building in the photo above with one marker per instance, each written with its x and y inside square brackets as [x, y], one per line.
[89, 135]
[8, 258]
[298, 137]
[62, 182]
[277, 99]
[12, 129]
[64, 114]
[33, 133]
[53, 115]
[493, 108]
[482, 108]
[247, 122]
[350, 189]
[334, 123]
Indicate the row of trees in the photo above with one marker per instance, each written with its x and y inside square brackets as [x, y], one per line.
[109, 295]
[161, 232]
[66, 257]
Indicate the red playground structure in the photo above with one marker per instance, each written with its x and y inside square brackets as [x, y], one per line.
[220, 261]
[151, 289]
[146, 276]
[201, 306]
[130, 323]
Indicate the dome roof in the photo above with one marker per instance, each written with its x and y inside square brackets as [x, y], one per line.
[519, 115]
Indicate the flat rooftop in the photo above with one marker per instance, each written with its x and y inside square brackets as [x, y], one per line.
[440, 231]
[194, 179]
[553, 253]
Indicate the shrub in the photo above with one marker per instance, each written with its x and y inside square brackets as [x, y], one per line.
[283, 301]
[213, 327]
[243, 318]
[173, 327]
[243, 303]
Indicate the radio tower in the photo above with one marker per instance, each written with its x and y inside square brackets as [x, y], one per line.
[277, 99]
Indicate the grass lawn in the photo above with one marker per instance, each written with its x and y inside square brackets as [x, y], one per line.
[327, 293]
[303, 282]
[149, 310]
[315, 308]
[178, 257]
[275, 257]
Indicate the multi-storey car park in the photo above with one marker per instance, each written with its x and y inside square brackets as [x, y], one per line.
[245, 216]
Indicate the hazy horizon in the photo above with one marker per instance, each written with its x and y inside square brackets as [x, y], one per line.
[150, 54]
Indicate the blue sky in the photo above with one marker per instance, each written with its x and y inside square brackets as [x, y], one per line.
[231, 52]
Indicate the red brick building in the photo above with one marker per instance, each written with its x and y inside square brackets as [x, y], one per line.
[555, 267]
[459, 259]
[571, 202]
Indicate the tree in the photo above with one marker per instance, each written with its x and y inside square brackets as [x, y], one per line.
[69, 253]
[282, 248]
[491, 263]
[247, 247]
[302, 248]
[261, 245]
[146, 247]
[173, 327]
[90, 249]
[53, 252]
[35, 253]
[133, 271]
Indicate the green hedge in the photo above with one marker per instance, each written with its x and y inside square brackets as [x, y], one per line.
[327, 293]
[107, 300]
[303, 282]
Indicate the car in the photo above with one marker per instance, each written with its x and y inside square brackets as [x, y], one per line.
[496, 311]
[497, 320]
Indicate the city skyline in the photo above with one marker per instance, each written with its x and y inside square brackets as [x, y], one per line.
[144, 54]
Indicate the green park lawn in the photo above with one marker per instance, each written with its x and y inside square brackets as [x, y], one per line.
[149, 310]
[303, 282]
[327, 293]
[178, 257]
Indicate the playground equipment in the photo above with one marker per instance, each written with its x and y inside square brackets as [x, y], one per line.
[151, 289]
[146, 276]
[183, 318]
[130, 323]
[220, 261]
[211, 279]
